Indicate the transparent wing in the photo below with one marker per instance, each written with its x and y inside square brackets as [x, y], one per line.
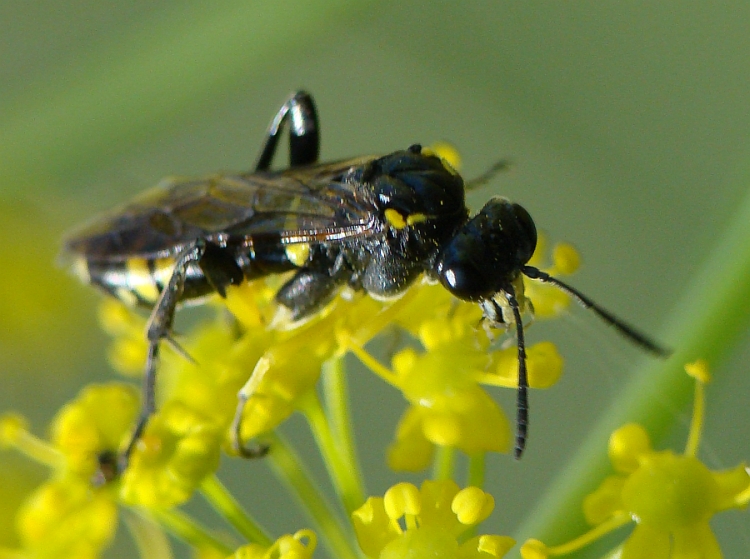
[297, 205]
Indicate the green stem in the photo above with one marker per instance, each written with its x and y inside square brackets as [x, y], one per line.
[713, 311]
[442, 467]
[188, 530]
[476, 470]
[39, 450]
[291, 470]
[336, 393]
[226, 505]
[148, 535]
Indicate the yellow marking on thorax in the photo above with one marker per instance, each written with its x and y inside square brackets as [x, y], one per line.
[140, 279]
[395, 219]
[298, 253]
[413, 219]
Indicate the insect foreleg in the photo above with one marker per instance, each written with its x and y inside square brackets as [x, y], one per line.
[304, 133]
[522, 402]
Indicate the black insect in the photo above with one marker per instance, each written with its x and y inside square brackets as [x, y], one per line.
[374, 224]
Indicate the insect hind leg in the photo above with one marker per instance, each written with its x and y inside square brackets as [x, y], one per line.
[159, 328]
[304, 132]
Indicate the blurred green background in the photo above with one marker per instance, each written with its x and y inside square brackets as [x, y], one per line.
[628, 124]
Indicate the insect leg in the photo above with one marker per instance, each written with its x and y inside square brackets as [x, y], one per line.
[625, 329]
[304, 132]
[522, 405]
[220, 267]
[159, 328]
[307, 292]
[257, 450]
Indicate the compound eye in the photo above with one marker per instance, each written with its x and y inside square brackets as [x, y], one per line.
[462, 279]
[527, 245]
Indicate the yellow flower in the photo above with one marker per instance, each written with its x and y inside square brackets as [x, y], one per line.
[64, 519]
[197, 395]
[263, 352]
[94, 425]
[427, 523]
[671, 497]
[67, 517]
[178, 449]
[299, 545]
[448, 406]
[281, 379]
[129, 348]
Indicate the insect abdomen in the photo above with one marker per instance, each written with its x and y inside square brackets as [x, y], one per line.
[139, 281]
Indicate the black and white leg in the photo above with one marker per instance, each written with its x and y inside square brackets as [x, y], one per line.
[220, 269]
[304, 132]
[522, 398]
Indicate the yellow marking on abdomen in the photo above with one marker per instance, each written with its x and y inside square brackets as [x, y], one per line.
[140, 280]
[126, 296]
[298, 253]
[80, 268]
[163, 269]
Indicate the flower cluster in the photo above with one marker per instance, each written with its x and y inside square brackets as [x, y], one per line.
[66, 516]
[178, 453]
[446, 372]
[427, 523]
